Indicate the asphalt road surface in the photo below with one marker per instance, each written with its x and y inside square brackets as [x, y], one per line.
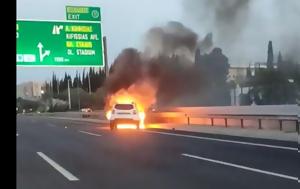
[72, 154]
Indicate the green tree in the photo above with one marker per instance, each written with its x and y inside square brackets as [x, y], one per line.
[270, 56]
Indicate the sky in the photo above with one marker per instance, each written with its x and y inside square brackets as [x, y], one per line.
[125, 22]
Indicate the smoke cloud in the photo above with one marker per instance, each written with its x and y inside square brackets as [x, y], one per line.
[167, 64]
[172, 39]
[242, 28]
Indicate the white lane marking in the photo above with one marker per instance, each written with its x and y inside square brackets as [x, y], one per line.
[59, 168]
[89, 133]
[242, 167]
[223, 140]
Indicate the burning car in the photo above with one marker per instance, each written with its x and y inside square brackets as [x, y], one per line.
[125, 115]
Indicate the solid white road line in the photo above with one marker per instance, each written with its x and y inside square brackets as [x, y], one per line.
[223, 140]
[90, 133]
[242, 167]
[59, 168]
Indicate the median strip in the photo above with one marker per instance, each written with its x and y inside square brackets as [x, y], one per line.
[89, 133]
[59, 168]
[242, 167]
[223, 140]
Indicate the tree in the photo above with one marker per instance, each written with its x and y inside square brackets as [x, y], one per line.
[84, 87]
[54, 84]
[214, 68]
[61, 86]
[248, 74]
[75, 81]
[270, 56]
[79, 82]
[64, 85]
[272, 87]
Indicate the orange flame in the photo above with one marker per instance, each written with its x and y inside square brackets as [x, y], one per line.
[126, 126]
[142, 94]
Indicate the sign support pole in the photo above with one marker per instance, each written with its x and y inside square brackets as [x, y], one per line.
[105, 56]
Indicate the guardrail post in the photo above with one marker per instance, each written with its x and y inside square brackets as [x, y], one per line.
[242, 123]
[225, 122]
[187, 118]
[280, 125]
[259, 123]
[212, 121]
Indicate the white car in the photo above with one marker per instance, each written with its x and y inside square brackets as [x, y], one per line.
[86, 110]
[124, 114]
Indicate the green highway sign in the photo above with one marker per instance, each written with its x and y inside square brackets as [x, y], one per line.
[83, 13]
[59, 43]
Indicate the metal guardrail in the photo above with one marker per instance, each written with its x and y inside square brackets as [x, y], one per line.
[226, 117]
[212, 117]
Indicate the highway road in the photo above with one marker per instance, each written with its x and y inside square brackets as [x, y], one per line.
[68, 154]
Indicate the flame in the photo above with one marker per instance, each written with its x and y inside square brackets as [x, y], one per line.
[126, 126]
[143, 94]
[142, 119]
[108, 114]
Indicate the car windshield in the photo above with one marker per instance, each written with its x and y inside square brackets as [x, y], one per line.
[124, 106]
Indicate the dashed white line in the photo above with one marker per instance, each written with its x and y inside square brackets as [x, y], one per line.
[223, 140]
[242, 167]
[89, 133]
[59, 168]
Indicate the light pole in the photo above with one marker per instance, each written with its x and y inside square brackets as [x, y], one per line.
[78, 95]
[89, 83]
[105, 56]
[69, 96]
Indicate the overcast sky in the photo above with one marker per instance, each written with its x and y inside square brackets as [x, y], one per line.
[125, 22]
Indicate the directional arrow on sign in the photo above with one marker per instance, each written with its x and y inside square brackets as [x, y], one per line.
[42, 55]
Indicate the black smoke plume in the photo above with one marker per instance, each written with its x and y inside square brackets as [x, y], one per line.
[168, 61]
[244, 27]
